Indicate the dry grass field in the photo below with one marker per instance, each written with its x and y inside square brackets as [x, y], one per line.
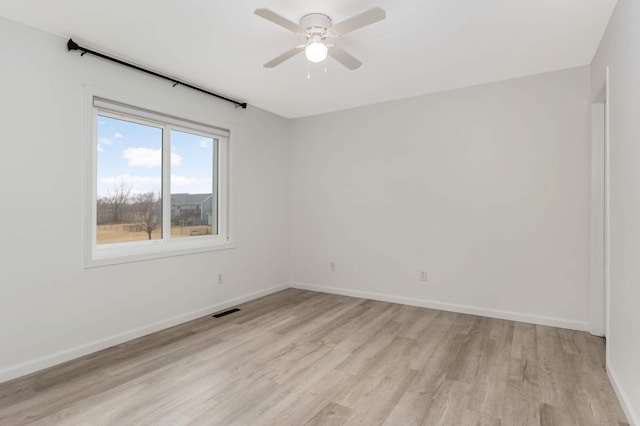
[130, 232]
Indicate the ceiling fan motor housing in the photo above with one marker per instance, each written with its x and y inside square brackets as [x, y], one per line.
[316, 24]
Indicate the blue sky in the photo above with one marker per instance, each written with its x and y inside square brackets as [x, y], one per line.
[131, 153]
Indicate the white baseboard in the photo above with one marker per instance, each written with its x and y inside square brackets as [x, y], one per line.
[463, 309]
[41, 363]
[632, 417]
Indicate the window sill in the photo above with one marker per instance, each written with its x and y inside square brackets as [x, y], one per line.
[117, 253]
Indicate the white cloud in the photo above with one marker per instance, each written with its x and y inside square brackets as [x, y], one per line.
[130, 180]
[190, 184]
[118, 135]
[183, 181]
[204, 143]
[176, 159]
[148, 158]
[143, 184]
[137, 184]
[102, 142]
[143, 157]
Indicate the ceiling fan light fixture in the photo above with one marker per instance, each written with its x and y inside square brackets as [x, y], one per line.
[316, 27]
[316, 51]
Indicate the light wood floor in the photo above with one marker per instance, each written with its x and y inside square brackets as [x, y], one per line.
[299, 357]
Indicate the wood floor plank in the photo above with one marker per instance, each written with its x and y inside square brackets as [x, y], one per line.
[298, 357]
[331, 415]
[373, 407]
[410, 410]
[303, 404]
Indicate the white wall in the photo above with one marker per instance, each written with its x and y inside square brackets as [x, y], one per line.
[620, 50]
[50, 307]
[487, 188]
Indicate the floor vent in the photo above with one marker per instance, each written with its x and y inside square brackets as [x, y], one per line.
[221, 314]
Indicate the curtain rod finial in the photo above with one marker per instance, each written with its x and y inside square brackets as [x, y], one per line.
[72, 45]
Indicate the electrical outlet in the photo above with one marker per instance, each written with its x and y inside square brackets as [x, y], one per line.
[332, 266]
[219, 279]
[423, 275]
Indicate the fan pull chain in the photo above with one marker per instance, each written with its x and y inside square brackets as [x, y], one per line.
[308, 71]
[325, 64]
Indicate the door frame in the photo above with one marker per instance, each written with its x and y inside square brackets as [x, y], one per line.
[600, 210]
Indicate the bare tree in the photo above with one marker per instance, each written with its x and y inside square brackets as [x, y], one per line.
[147, 211]
[103, 210]
[119, 198]
[189, 216]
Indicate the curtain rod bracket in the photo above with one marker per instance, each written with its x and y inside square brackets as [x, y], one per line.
[72, 45]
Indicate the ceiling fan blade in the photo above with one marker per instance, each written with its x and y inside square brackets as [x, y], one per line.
[286, 55]
[279, 20]
[362, 20]
[344, 58]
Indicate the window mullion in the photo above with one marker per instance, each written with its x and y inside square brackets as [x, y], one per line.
[221, 174]
[166, 183]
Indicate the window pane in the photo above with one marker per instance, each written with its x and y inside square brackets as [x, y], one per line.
[193, 195]
[129, 181]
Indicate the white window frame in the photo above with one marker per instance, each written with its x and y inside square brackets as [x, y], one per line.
[133, 251]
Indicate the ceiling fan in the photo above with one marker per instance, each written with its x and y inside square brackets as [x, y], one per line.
[317, 27]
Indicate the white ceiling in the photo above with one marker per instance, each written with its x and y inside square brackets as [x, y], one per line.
[423, 46]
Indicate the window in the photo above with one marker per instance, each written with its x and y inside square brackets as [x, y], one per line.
[159, 185]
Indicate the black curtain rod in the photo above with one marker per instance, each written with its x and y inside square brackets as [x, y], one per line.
[72, 45]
